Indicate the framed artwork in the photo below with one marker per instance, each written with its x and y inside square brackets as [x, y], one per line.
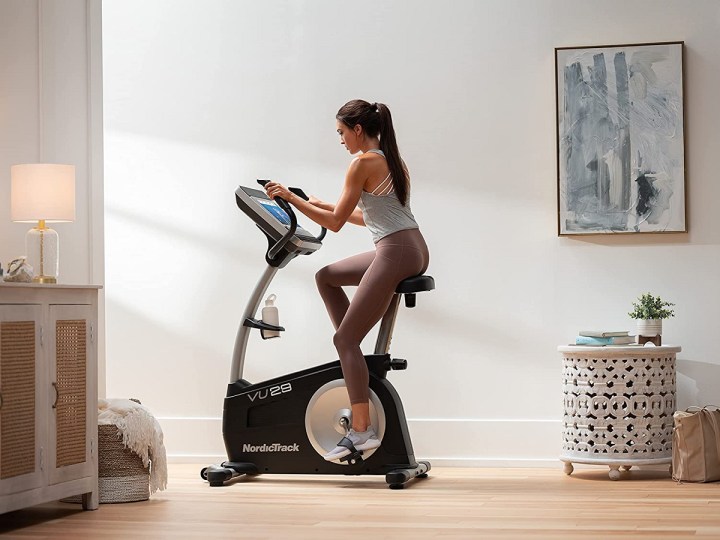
[620, 139]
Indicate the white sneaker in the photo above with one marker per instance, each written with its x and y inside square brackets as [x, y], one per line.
[354, 441]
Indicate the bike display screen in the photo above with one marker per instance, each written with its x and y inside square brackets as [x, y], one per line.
[278, 213]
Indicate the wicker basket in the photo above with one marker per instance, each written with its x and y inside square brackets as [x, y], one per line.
[122, 476]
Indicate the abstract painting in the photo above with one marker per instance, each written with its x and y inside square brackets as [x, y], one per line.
[620, 139]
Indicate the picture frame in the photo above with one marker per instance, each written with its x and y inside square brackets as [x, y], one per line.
[620, 128]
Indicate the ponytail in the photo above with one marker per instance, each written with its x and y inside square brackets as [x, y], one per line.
[389, 147]
[376, 121]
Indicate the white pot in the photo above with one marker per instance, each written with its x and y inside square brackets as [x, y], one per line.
[649, 327]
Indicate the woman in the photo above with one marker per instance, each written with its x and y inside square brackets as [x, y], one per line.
[375, 194]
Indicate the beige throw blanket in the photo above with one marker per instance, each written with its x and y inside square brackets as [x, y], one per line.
[141, 433]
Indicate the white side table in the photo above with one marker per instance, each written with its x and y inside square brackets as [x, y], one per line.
[619, 404]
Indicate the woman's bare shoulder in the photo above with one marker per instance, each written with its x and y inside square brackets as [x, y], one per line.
[371, 162]
[371, 157]
[367, 165]
[361, 163]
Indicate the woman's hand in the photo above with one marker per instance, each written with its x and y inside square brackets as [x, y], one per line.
[323, 213]
[273, 189]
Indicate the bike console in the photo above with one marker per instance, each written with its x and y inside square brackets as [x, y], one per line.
[276, 219]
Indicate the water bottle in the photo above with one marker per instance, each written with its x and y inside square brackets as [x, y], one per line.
[270, 316]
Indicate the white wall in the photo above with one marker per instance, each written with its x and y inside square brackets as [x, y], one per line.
[51, 111]
[203, 96]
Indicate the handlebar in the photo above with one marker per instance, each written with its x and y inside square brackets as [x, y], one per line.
[282, 203]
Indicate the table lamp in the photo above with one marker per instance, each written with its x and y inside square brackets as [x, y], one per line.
[42, 192]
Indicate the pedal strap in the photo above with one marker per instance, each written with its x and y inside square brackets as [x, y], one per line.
[347, 443]
[355, 455]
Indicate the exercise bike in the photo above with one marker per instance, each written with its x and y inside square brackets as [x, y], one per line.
[285, 425]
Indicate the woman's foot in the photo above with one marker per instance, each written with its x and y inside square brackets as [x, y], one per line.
[354, 441]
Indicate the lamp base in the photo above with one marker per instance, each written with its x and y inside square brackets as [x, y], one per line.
[44, 279]
[41, 245]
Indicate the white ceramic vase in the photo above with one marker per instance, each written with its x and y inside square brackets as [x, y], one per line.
[649, 327]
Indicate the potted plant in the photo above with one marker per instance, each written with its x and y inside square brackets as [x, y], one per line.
[649, 311]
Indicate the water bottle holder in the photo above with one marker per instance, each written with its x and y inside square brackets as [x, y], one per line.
[262, 326]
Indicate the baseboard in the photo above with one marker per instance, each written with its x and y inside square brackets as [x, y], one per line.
[443, 442]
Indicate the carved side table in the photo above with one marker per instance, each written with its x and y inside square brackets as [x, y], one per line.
[619, 404]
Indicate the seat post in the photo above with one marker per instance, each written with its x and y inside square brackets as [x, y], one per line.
[408, 287]
[382, 345]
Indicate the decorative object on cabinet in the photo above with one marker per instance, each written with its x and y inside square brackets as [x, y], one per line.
[649, 311]
[19, 271]
[42, 193]
[620, 139]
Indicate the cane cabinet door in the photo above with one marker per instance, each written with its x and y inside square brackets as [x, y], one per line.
[22, 429]
[72, 438]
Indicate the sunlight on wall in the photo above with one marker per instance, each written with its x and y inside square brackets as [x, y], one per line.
[181, 260]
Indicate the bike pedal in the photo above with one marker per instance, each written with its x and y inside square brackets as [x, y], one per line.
[353, 459]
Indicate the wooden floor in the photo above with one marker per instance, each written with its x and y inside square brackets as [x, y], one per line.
[452, 503]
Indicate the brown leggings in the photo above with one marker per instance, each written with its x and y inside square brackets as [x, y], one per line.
[376, 273]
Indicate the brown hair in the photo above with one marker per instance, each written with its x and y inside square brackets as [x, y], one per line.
[376, 120]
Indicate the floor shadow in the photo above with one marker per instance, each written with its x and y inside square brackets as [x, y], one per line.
[375, 481]
[19, 519]
[599, 475]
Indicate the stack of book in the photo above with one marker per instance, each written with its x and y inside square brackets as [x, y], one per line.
[595, 338]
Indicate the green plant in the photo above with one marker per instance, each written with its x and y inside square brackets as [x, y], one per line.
[651, 307]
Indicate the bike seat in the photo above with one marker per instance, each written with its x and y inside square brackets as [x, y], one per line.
[416, 284]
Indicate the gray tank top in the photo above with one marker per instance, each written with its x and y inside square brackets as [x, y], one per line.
[382, 211]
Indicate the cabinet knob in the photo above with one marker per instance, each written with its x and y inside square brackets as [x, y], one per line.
[1, 400]
[57, 395]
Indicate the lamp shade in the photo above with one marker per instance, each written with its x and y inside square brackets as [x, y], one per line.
[42, 191]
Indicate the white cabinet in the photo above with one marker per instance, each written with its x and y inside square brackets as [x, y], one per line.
[48, 394]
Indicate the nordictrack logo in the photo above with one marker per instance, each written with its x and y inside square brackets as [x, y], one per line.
[275, 447]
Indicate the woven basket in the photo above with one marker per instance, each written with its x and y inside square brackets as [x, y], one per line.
[122, 476]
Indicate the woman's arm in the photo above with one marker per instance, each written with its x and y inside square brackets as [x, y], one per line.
[356, 218]
[332, 217]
